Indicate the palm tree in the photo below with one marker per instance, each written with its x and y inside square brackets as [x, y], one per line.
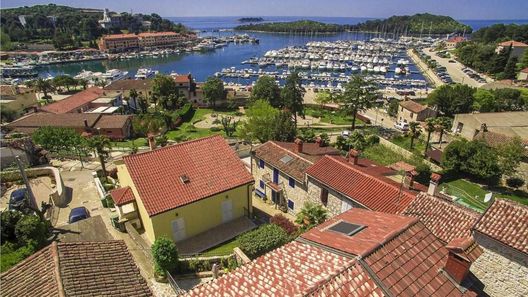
[430, 127]
[133, 94]
[443, 124]
[44, 86]
[100, 143]
[414, 131]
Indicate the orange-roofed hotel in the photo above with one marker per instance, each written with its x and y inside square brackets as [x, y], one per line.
[123, 42]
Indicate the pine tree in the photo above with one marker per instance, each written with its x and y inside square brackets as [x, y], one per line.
[509, 69]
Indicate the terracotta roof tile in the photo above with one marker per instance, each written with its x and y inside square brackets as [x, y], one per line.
[414, 259]
[122, 196]
[77, 269]
[34, 276]
[291, 270]
[74, 101]
[413, 106]
[116, 121]
[445, 219]
[364, 186]
[129, 84]
[507, 222]
[513, 43]
[182, 78]
[209, 163]
[456, 39]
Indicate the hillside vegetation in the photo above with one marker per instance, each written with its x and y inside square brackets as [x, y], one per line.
[425, 22]
[303, 26]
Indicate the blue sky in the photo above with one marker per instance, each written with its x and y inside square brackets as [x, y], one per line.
[459, 9]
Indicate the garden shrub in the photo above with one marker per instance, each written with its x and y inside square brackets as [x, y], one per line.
[284, 223]
[262, 240]
[372, 139]
[238, 113]
[186, 112]
[165, 255]
[515, 182]
[311, 214]
[31, 229]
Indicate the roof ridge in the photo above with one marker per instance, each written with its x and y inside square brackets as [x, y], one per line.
[56, 261]
[452, 203]
[294, 153]
[391, 236]
[134, 156]
[372, 177]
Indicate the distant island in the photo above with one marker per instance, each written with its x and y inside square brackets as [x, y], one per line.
[303, 26]
[250, 20]
[415, 24]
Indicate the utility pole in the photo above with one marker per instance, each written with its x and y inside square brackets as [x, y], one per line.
[26, 181]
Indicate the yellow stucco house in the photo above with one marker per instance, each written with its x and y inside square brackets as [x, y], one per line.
[185, 189]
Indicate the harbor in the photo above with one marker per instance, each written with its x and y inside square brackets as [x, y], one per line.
[325, 62]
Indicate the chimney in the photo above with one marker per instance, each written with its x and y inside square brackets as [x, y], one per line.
[151, 141]
[319, 141]
[353, 156]
[433, 184]
[462, 253]
[409, 178]
[298, 145]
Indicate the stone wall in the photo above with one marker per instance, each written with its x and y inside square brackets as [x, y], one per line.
[502, 270]
[406, 153]
[58, 195]
[335, 199]
[297, 194]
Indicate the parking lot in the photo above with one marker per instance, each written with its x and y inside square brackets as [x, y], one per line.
[456, 72]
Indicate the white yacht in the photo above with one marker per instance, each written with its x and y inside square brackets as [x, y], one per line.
[145, 73]
[114, 74]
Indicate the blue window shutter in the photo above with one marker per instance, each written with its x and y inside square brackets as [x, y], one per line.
[262, 184]
[291, 182]
[291, 204]
[261, 163]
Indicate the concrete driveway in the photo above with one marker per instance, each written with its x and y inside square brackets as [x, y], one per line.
[80, 191]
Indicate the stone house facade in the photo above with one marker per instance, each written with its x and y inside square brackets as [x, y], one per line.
[503, 270]
[285, 191]
[334, 201]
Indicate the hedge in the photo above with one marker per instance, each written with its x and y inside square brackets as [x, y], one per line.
[262, 240]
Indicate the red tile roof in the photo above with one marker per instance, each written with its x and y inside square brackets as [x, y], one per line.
[513, 43]
[291, 270]
[525, 70]
[399, 257]
[74, 101]
[76, 269]
[353, 281]
[445, 219]
[372, 190]
[310, 151]
[456, 39]
[122, 196]
[507, 222]
[37, 275]
[380, 228]
[182, 78]
[411, 264]
[413, 106]
[209, 163]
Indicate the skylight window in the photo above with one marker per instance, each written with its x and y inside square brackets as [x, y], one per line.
[346, 228]
[286, 159]
[185, 179]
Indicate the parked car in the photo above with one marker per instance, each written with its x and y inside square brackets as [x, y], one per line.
[78, 214]
[451, 61]
[18, 198]
[402, 126]
[345, 133]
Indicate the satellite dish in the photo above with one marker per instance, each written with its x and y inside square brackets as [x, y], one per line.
[487, 197]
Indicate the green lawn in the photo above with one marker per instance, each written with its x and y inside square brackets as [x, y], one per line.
[472, 194]
[223, 249]
[405, 142]
[382, 155]
[331, 117]
[128, 144]
[188, 132]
